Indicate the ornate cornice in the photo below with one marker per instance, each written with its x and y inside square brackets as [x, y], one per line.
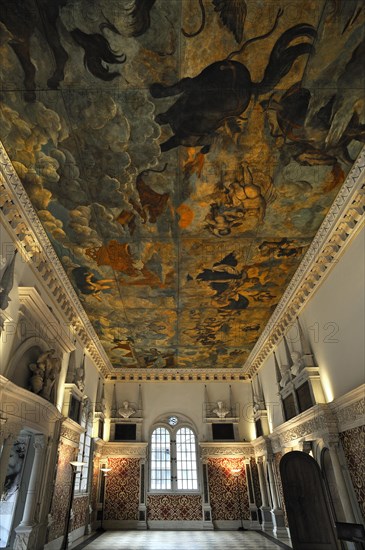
[37, 250]
[98, 446]
[341, 224]
[261, 446]
[28, 408]
[350, 409]
[33, 303]
[125, 450]
[323, 421]
[316, 422]
[226, 450]
[172, 375]
[70, 432]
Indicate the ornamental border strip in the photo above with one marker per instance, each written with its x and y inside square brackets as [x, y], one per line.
[342, 222]
[33, 231]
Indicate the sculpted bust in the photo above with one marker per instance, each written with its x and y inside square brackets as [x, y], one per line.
[221, 411]
[285, 375]
[126, 410]
[297, 363]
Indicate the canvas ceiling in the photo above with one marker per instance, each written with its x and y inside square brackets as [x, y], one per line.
[180, 176]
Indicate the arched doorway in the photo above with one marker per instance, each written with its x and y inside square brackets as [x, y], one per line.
[308, 510]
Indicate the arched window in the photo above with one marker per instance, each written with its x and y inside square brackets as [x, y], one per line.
[186, 470]
[173, 465]
[160, 460]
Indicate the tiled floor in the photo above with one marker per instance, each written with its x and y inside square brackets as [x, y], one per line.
[182, 540]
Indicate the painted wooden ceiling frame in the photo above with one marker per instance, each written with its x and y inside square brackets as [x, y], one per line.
[342, 222]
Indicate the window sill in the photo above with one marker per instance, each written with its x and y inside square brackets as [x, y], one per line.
[79, 494]
[174, 492]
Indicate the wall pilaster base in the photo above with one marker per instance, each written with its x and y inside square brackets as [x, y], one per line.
[25, 538]
[267, 524]
[279, 528]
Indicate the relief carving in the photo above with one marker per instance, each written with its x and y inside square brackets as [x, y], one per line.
[125, 450]
[352, 412]
[44, 375]
[224, 452]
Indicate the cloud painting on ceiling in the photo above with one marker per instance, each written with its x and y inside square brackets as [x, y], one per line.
[181, 156]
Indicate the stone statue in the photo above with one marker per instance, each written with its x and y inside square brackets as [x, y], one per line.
[285, 375]
[297, 363]
[37, 378]
[103, 404]
[45, 373]
[79, 378]
[221, 411]
[6, 282]
[256, 406]
[6, 285]
[126, 410]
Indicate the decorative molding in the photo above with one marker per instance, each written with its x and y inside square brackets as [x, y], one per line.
[172, 375]
[28, 408]
[125, 450]
[36, 249]
[315, 423]
[39, 442]
[340, 225]
[261, 446]
[342, 222]
[131, 420]
[225, 450]
[70, 432]
[98, 446]
[350, 409]
[9, 430]
[33, 303]
[322, 421]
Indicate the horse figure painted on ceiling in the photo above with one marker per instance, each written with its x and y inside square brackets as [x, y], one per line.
[23, 18]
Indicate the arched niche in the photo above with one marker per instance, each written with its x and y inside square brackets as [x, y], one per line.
[28, 352]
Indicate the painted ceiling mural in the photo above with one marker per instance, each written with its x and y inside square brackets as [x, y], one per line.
[181, 155]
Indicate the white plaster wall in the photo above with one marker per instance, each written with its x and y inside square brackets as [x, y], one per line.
[333, 319]
[270, 389]
[186, 398]
[9, 339]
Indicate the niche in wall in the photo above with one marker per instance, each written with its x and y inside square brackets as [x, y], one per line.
[305, 400]
[125, 432]
[74, 411]
[223, 432]
[289, 407]
[20, 373]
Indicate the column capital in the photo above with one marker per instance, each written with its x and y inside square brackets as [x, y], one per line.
[39, 442]
[305, 446]
[9, 430]
[331, 441]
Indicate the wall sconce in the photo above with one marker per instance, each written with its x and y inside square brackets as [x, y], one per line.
[236, 473]
[105, 473]
[74, 465]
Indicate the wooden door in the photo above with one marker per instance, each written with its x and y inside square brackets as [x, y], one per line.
[309, 516]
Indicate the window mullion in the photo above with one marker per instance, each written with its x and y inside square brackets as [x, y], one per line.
[173, 465]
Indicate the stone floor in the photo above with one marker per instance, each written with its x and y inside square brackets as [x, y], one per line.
[181, 540]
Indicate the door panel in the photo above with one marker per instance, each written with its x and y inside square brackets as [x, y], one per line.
[307, 507]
